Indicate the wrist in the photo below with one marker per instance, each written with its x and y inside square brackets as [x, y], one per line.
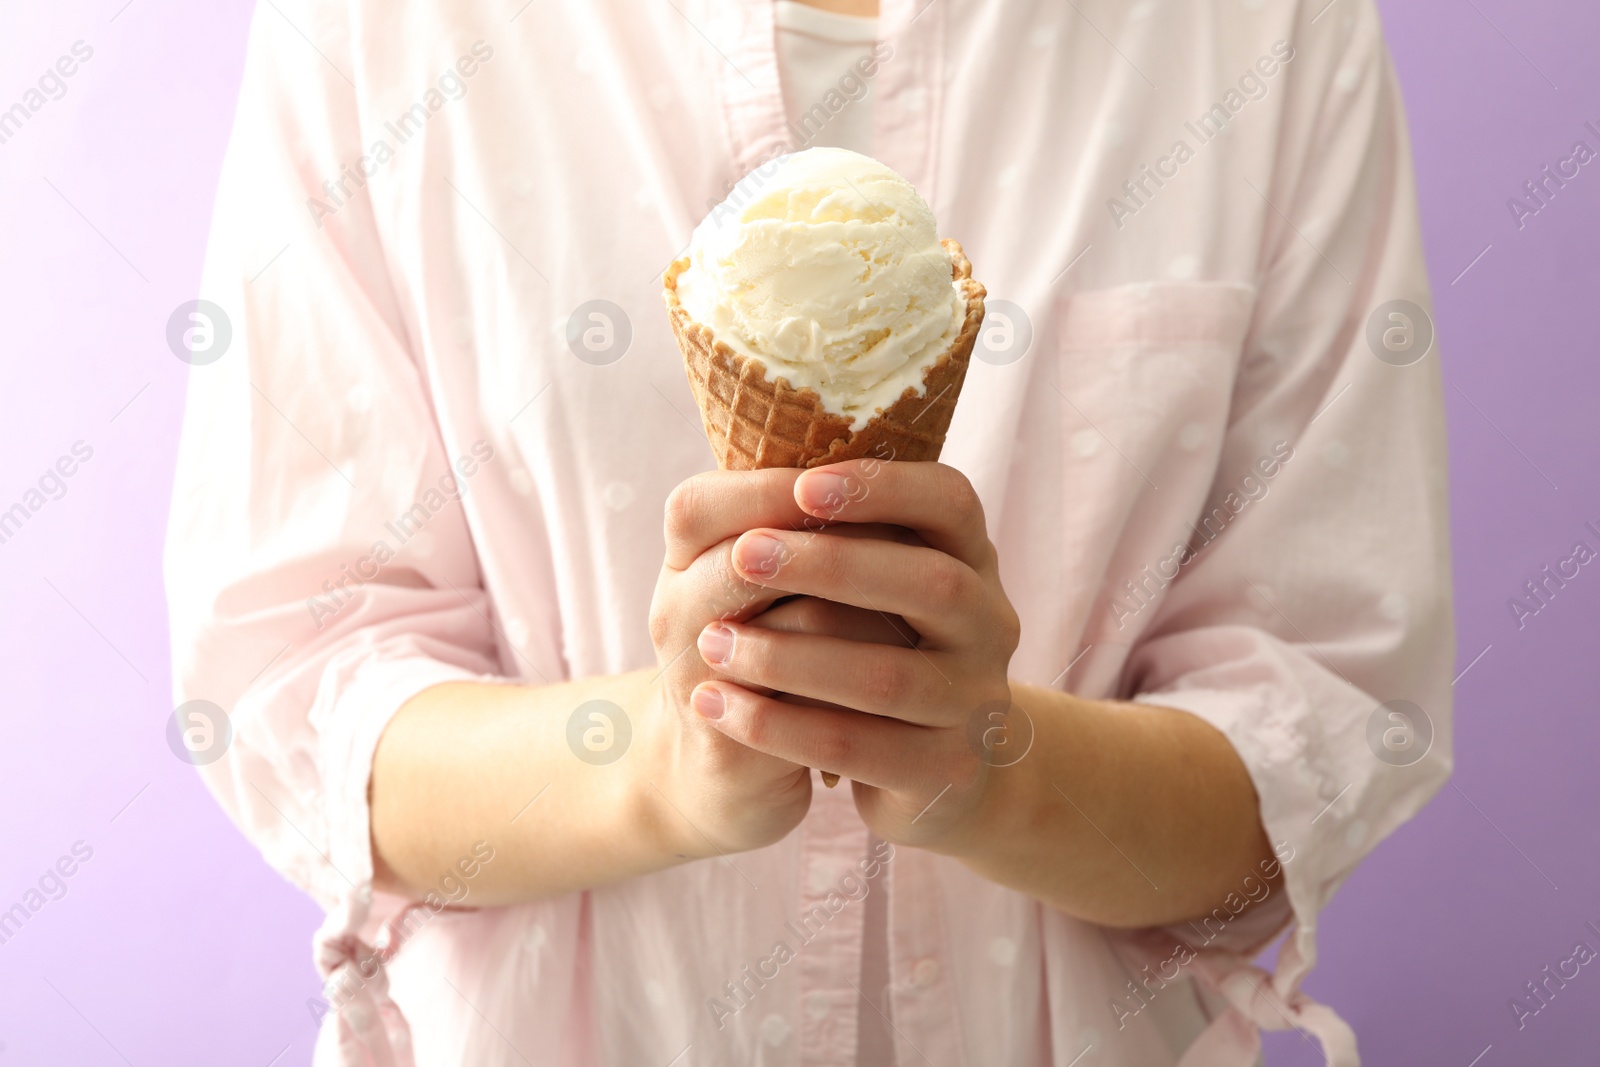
[1009, 786]
[652, 780]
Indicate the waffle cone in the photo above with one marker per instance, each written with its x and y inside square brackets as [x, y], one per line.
[754, 422]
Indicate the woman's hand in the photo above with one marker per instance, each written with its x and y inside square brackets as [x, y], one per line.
[473, 761]
[895, 720]
[712, 794]
[727, 797]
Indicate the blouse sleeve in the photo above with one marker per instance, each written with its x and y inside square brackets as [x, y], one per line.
[319, 567]
[1313, 626]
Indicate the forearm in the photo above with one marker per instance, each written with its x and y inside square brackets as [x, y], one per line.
[1122, 814]
[463, 762]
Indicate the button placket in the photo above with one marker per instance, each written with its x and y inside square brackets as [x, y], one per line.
[832, 838]
[927, 1025]
[910, 88]
[744, 32]
[828, 940]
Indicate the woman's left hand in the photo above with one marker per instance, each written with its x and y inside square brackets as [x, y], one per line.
[897, 721]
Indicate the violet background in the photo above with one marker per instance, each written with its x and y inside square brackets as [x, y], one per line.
[176, 944]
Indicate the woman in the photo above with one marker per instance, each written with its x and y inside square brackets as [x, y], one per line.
[1186, 548]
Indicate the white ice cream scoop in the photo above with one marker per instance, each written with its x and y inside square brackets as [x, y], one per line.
[826, 266]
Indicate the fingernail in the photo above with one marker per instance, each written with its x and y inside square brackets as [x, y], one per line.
[708, 702]
[824, 491]
[716, 644]
[759, 555]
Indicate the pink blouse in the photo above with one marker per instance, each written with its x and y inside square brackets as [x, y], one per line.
[1205, 424]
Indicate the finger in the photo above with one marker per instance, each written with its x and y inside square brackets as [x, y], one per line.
[869, 749]
[727, 594]
[933, 499]
[901, 683]
[812, 615]
[717, 505]
[941, 597]
[709, 588]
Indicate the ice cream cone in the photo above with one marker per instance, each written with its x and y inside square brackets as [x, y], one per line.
[754, 421]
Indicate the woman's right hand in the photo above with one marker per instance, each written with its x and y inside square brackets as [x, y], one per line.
[462, 761]
[713, 795]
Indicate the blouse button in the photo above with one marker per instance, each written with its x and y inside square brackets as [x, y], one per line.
[925, 973]
[817, 1005]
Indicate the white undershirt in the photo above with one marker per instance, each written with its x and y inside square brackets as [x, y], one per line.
[818, 52]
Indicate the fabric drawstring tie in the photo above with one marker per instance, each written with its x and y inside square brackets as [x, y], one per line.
[1235, 1036]
[363, 1026]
